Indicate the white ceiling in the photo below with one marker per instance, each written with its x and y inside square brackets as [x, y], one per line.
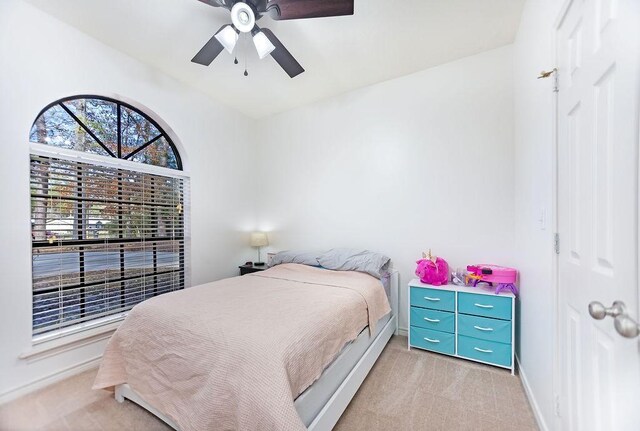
[383, 40]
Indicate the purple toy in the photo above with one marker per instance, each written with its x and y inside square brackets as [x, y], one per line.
[432, 270]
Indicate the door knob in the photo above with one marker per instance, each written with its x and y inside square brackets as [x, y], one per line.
[625, 325]
[598, 311]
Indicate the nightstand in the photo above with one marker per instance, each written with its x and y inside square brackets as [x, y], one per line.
[248, 269]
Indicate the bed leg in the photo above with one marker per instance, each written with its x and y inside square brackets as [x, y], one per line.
[118, 394]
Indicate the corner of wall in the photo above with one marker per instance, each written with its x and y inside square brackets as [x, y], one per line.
[535, 407]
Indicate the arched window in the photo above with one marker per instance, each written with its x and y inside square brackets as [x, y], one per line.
[106, 127]
[107, 223]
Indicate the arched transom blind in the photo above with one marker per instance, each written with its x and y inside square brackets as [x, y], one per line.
[106, 127]
[104, 237]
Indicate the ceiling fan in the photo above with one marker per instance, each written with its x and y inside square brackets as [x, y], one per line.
[245, 14]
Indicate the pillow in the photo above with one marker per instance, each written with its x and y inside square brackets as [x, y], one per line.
[349, 259]
[295, 256]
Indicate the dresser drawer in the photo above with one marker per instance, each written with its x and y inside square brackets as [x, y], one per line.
[432, 298]
[432, 319]
[495, 306]
[485, 351]
[432, 340]
[484, 328]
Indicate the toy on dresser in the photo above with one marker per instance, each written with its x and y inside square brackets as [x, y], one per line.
[432, 270]
[499, 276]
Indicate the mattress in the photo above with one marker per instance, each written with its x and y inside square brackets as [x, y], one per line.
[313, 399]
[168, 349]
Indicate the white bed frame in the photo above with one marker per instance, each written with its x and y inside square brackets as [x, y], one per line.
[333, 409]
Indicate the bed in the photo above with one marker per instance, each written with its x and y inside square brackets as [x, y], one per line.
[230, 369]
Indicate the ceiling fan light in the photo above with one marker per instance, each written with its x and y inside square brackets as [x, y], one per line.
[228, 37]
[263, 44]
[242, 17]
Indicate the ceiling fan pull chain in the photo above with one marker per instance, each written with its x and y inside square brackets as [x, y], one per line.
[245, 57]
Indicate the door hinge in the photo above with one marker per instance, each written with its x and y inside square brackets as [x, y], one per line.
[556, 243]
[557, 405]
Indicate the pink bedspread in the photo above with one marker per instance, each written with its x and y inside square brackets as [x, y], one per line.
[234, 354]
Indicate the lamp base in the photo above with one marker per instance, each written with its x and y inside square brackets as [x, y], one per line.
[258, 263]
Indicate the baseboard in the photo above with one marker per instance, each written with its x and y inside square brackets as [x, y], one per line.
[532, 399]
[42, 382]
[403, 331]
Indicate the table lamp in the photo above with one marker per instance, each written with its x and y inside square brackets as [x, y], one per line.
[259, 239]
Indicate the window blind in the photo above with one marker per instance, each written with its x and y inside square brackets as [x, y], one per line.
[103, 240]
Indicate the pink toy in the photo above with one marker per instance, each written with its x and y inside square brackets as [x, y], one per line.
[505, 278]
[432, 270]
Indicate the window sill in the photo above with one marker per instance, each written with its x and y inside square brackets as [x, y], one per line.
[45, 349]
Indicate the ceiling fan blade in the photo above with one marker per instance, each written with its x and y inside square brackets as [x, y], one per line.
[283, 56]
[297, 9]
[209, 51]
[217, 3]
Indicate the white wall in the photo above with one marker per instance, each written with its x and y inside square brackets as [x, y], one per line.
[533, 104]
[41, 60]
[423, 161]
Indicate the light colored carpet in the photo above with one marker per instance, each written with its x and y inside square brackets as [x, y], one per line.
[405, 390]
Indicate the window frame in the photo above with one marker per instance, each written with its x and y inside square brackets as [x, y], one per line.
[119, 104]
[87, 329]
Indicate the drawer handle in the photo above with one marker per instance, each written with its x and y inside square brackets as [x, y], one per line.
[431, 341]
[483, 306]
[480, 328]
[431, 320]
[431, 299]
[483, 350]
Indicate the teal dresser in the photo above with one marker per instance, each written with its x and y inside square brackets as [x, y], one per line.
[467, 322]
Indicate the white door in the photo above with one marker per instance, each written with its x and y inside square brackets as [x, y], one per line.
[598, 54]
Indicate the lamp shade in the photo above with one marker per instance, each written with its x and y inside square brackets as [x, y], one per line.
[228, 37]
[259, 239]
[263, 44]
